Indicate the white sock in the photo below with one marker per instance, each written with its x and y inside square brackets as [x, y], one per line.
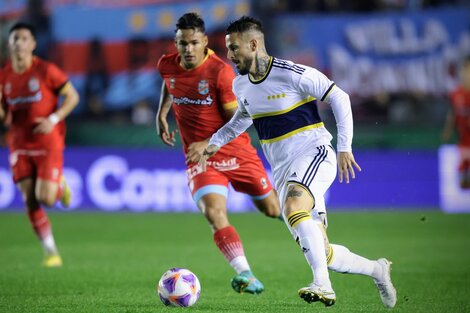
[48, 244]
[312, 243]
[344, 261]
[240, 264]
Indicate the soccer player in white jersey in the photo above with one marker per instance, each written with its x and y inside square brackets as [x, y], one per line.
[279, 98]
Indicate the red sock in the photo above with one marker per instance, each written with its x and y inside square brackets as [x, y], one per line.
[40, 222]
[229, 243]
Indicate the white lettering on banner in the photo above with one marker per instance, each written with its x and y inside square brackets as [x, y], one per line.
[387, 37]
[137, 189]
[7, 188]
[369, 68]
[106, 167]
[453, 198]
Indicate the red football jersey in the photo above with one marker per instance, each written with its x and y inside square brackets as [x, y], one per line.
[199, 97]
[30, 95]
[460, 99]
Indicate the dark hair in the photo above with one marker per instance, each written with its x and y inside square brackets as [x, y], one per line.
[24, 25]
[243, 24]
[191, 21]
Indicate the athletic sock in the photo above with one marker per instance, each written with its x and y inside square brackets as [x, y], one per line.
[312, 243]
[42, 229]
[229, 243]
[344, 261]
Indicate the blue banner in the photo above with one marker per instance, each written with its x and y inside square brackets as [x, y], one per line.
[153, 180]
[393, 52]
[83, 23]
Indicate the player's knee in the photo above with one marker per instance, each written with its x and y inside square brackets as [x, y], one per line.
[216, 216]
[271, 209]
[46, 199]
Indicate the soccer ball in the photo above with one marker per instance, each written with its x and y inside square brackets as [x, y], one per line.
[179, 287]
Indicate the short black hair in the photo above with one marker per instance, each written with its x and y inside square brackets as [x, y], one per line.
[244, 24]
[23, 25]
[191, 20]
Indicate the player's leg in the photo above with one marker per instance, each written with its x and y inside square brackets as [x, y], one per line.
[51, 185]
[211, 199]
[251, 178]
[464, 170]
[40, 222]
[308, 178]
[298, 202]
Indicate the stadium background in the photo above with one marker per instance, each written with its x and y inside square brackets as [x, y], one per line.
[397, 59]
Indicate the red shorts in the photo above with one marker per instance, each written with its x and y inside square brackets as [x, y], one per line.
[43, 164]
[245, 172]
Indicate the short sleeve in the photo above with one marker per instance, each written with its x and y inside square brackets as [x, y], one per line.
[55, 77]
[224, 88]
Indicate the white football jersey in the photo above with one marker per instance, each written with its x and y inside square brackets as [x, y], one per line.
[283, 108]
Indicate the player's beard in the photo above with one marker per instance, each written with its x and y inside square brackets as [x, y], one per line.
[245, 66]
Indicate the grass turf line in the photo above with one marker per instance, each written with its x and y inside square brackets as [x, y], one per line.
[112, 262]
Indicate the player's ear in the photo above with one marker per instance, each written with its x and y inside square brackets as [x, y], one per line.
[253, 44]
[205, 41]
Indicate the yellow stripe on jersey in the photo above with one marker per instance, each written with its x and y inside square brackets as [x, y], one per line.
[298, 216]
[64, 88]
[255, 116]
[230, 105]
[292, 133]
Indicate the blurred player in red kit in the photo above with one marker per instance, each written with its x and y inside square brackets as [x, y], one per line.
[30, 89]
[459, 118]
[198, 85]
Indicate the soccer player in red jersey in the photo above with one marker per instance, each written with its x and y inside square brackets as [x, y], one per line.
[30, 89]
[198, 85]
[459, 118]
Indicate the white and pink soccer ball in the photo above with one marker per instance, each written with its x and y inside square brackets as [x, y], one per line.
[179, 287]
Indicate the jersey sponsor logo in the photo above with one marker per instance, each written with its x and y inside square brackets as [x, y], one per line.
[172, 82]
[203, 87]
[185, 100]
[221, 166]
[23, 100]
[33, 84]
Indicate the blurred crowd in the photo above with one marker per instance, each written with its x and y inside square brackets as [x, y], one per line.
[106, 97]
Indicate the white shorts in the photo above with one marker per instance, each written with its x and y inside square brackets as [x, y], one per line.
[315, 171]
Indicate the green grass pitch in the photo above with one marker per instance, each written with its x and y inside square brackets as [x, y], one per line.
[112, 263]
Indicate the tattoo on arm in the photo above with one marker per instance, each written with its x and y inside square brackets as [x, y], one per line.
[294, 193]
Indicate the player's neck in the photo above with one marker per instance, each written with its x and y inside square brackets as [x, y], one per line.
[21, 65]
[260, 66]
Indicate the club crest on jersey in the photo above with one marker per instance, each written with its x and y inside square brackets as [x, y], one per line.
[264, 182]
[172, 82]
[203, 87]
[33, 84]
[7, 88]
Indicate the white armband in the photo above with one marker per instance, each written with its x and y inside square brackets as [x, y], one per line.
[54, 118]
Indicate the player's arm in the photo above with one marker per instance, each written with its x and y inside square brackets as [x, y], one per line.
[161, 123]
[196, 149]
[2, 110]
[70, 100]
[315, 83]
[238, 124]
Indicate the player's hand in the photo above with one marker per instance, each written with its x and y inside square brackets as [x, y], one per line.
[44, 126]
[208, 152]
[167, 137]
[346, 165]
[196, 150]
